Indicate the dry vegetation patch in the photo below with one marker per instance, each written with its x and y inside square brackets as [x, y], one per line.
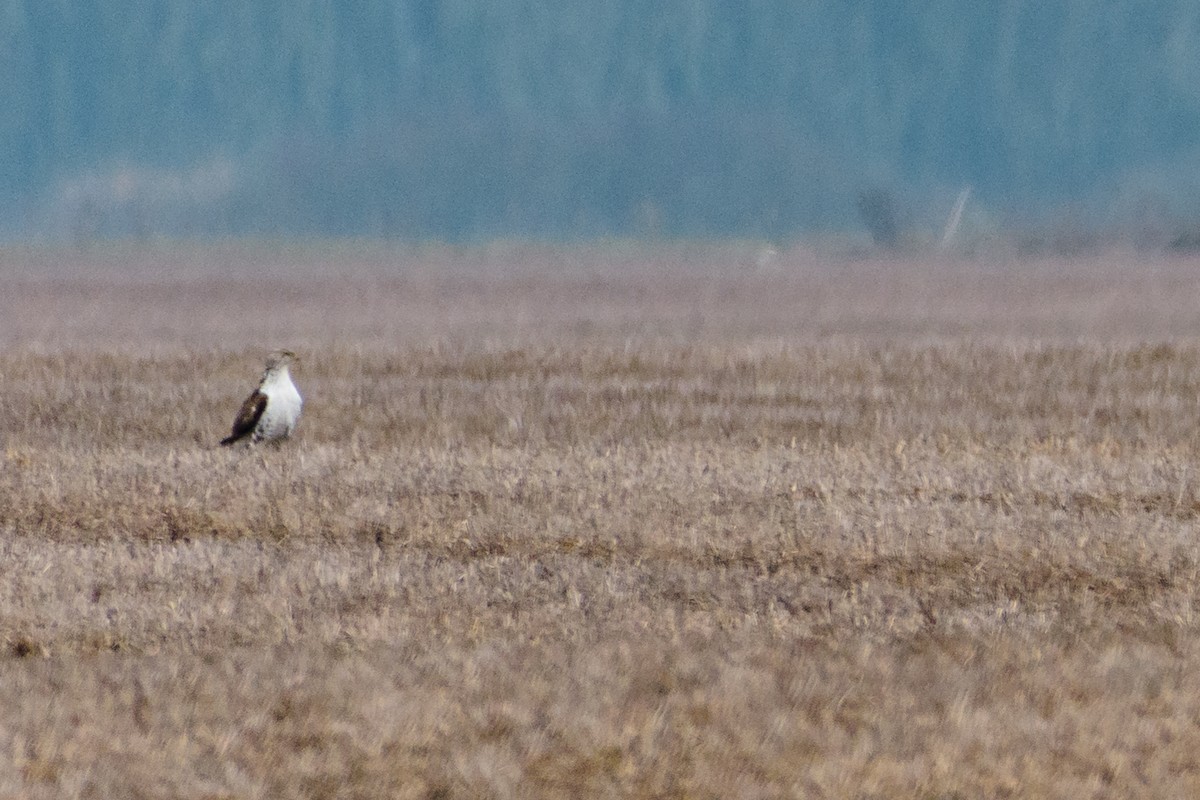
[571, 523]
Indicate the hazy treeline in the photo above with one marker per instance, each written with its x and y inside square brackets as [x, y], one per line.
[459, 120]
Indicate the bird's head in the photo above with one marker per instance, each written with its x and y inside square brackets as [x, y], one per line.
[281, 359]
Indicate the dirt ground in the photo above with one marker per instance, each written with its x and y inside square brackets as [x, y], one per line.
[685, 521]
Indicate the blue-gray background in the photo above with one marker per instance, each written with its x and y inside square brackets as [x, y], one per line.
[461, 120]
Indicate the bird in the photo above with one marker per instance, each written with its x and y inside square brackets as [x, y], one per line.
[271, 411]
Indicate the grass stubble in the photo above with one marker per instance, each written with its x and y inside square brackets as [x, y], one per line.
[565, 523]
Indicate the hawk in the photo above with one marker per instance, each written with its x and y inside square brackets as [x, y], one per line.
[271, 411]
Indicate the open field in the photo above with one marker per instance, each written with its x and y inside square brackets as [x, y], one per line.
[685, 522]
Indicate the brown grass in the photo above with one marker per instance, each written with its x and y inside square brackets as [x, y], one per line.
[599, 522]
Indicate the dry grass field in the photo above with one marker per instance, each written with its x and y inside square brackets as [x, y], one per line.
[600, 522]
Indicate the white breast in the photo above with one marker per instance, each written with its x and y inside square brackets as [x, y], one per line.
[283, 408]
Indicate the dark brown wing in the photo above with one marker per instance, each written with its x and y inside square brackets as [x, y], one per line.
[247, 418]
